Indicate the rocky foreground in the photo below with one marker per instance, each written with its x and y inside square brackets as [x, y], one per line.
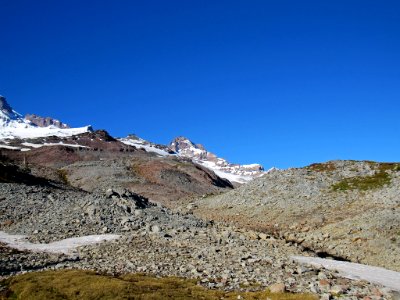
[344, 209]
[159, 241]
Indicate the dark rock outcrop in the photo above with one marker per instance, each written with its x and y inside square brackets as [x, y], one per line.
[45, 121]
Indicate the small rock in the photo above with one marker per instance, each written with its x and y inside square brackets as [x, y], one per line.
[336, 290]
[155, 229]
[109, 193]
[262, 236]
[325, 297]
[277, 288]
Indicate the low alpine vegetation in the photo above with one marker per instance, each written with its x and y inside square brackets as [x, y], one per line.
[76, 284]
[363, 183]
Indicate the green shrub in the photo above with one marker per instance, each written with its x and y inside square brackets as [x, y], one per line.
[63, 175]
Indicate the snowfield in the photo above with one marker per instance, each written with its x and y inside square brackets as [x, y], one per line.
[13, 125]
[30, 132]
[387, 278]
[67, 246]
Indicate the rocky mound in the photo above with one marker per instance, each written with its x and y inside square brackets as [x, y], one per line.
[344, 209]
[166, 180]
[95, 159]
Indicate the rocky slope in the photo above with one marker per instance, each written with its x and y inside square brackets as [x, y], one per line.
[157, 241]
[344, 209]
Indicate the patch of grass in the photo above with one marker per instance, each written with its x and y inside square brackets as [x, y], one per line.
[388, 167]
[63, 175]
[76, 284]
[322, 167]
[250, 285]
[363, 183]
[135, 167]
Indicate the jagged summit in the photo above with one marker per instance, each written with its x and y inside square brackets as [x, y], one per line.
[6, 111]
[234, 172]
[45, 121]
[186, 148]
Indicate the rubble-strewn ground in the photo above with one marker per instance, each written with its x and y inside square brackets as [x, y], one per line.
[158, 241]
[345, 209]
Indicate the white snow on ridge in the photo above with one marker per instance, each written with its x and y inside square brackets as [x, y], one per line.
[388, 278]
[230, 176]
[145, 145]
[198, 154]
[233, 173]
[26, 131]
[13, 125]
[67, 246]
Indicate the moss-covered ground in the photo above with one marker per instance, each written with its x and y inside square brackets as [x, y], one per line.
[78, 284]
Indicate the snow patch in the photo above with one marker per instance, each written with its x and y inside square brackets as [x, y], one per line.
[144, 145]
[51, 144]
[9, 147]
[388, 278]
[66, 246]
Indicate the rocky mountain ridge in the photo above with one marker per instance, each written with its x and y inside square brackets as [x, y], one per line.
[234, 172]
[89, 160]
[17, 132]
[45, 121]
[14, 126]
[184, 148]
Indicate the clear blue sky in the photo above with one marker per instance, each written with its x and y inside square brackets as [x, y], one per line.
[282, 83]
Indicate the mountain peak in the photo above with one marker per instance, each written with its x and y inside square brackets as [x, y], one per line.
[13, 125]
[182, 143]
[184, 147]
[6, 109]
